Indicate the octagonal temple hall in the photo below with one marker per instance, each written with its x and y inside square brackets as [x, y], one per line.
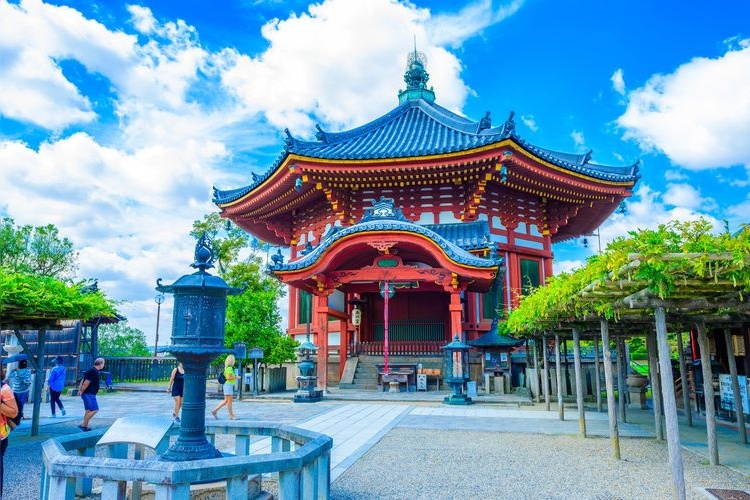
[457, 216]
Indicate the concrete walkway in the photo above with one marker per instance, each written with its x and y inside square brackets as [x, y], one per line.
[356, 425]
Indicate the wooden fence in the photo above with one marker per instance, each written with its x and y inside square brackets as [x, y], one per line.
[132, 369]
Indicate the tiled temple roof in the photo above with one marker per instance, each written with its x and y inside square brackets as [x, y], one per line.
[467, 235]
[495, 339]
[418, 127]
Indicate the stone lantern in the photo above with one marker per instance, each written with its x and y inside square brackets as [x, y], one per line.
[457, 371]
[306, 381]
[200, 303]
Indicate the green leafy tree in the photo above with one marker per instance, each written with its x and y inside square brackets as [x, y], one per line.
[252, 317]
[119, 339]
[36, 250]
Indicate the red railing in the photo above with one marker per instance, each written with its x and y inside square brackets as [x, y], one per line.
[401, 348]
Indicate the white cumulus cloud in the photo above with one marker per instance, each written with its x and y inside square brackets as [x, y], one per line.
[699, 115]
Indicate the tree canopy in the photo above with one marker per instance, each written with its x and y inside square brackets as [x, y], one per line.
[677, 260]
[36, 250]
[36, 277]
[120, 339]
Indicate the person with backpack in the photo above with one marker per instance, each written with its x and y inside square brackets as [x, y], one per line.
[227, 378]
[8, 410]
[56, 384]
[20, 382]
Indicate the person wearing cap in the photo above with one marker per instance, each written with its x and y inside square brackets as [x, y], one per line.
[56, 384]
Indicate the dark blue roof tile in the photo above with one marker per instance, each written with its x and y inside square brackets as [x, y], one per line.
[418, 127]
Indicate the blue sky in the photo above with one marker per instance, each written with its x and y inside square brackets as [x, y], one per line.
[117, 119]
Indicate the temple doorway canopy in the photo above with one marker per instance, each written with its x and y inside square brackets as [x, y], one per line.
[385, 246]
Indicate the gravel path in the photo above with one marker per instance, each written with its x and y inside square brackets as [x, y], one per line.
[430, 464]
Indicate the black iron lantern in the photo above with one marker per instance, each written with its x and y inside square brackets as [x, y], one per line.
[200, 302]
[457, 371]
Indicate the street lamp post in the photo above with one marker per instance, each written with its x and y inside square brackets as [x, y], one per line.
[158, 299]
[155, 364]
[598, 239]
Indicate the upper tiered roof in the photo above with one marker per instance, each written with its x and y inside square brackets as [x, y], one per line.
[419, 127]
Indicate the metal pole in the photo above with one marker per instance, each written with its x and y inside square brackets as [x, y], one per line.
[386, 292]
[255, 377]
[158, 299]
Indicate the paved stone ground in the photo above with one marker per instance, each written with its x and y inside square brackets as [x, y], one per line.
[409, 448]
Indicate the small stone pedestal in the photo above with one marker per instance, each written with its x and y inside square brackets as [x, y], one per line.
[306, 390]
[637, 391]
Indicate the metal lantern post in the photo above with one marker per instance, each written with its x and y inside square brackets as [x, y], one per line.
[457, 367]
[307, 383]
[200, 303]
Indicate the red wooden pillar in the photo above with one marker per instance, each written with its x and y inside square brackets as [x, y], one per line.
[294, 299]
[547, 260]
[455, 310]
[321, 311]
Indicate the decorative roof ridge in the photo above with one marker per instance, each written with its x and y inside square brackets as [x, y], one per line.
[442, 115]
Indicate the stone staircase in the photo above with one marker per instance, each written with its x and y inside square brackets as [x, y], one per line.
[366, 372]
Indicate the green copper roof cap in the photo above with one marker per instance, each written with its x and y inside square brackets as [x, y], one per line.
[416, 78]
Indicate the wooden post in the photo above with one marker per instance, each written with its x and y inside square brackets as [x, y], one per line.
[670, 406]
[537, 397]
[685, 385]
[39, 381]
[738, 410]
[614, 436]
[579, 383]
[621, 387]
[546, 373]
[598, 373]
[653, 373]
[558, 372]
[708, 392]
[746, 340]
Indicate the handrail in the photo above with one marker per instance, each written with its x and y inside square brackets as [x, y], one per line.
[69, 464]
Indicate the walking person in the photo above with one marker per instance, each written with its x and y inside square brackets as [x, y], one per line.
[88, 390]
[8, 410]
[20, 382]
[228, 388]
[177, 386]
[56, 384]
